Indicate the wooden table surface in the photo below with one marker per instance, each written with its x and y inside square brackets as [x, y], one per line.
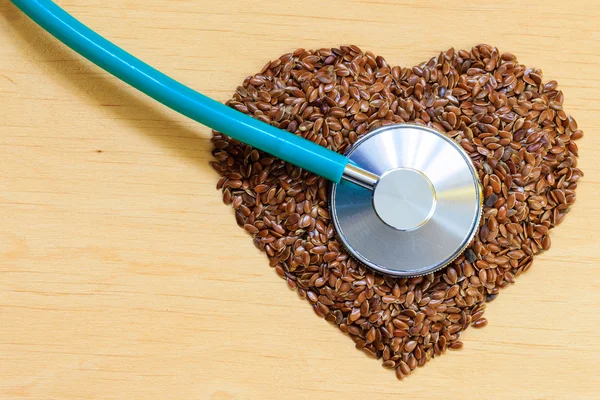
[123, 276]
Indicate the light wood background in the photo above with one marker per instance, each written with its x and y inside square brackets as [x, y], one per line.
[123, 276]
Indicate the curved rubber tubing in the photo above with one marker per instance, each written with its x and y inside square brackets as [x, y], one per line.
[280, 143]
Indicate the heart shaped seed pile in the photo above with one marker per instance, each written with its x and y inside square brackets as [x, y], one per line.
[509, 121]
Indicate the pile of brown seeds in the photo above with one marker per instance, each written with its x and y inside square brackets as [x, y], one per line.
[512, 125]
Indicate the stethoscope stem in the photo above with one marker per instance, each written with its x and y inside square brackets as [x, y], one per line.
[360, 177]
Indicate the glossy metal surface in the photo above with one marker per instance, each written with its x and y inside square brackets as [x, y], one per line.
[360, 176]
[404, 199]
[455, 201]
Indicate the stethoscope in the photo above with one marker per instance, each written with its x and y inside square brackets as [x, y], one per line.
[405, 199]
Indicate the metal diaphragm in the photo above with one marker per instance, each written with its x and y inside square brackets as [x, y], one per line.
[423, 211]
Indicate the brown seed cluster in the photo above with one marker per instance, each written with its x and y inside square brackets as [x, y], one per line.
[510, 122]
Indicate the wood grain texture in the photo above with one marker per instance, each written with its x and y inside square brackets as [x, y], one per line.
[123, 276]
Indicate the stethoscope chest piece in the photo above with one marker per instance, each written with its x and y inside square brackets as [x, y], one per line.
[424, 209]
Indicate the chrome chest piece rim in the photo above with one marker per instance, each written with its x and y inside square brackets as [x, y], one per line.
[422, 212]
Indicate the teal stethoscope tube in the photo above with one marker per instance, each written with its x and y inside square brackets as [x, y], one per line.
[280, 143]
